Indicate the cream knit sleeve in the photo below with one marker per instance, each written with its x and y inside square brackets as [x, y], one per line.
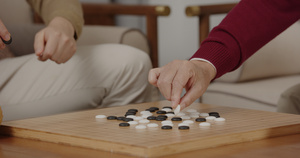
[68, 9]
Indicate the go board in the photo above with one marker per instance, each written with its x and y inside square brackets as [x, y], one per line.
[84, 130]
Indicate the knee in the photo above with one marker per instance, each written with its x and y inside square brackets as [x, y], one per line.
[292, 93]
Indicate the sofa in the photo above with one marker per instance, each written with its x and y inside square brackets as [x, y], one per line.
[260, 81]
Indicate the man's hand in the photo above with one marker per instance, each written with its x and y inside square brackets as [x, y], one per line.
[194, 76]
[4, 34]
[55, 42]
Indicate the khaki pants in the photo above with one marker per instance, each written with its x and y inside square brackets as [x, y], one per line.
[289, 101]
[96, 76]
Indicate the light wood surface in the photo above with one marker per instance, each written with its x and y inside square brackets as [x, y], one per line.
[83, 130]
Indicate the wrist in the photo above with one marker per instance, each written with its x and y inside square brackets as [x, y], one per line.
[63, 24]
[209, 69]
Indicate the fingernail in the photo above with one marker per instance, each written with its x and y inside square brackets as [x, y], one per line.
[7, 37]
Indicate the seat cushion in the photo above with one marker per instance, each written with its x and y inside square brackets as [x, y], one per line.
[258, 94]
[280, 57]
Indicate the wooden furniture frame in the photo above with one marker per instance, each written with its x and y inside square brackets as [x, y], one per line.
[204, 12]
[104, 14]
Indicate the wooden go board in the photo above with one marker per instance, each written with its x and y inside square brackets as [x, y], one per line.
[84, 130]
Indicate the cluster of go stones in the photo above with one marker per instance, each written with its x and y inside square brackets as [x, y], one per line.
[166, 116]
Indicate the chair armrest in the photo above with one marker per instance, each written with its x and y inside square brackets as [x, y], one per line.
[204, 12]
[97, 34]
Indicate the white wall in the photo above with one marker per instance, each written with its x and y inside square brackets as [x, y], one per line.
[177, 33]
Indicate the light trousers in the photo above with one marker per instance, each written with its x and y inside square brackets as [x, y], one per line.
[98, 76]
[289, 101]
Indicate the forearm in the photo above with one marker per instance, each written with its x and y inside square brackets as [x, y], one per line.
[249, 26]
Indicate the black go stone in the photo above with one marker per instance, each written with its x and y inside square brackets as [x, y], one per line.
[121, 118]
[111, 117]
[200, 119]
[164, 116]
[170, 112]
[151, 117]
[151, 110]
[161, 112]
[124, 124]
[166, 127]
[183, 127]
[168, 107]
[176, 119]
[132, 110]
[160, 118]
[130, 113]
[155, 108]
[215, 115]
[128, 119]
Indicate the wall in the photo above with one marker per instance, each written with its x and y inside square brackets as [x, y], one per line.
[178, 34]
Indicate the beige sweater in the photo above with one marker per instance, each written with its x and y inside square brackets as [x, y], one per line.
[68, 9]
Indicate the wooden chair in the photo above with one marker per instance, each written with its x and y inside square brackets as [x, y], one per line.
[104, 14]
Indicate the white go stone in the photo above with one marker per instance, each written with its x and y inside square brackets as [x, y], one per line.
[194, 116]
[191, 110]
[166, 122]
[133, 122]
[100, 116]
[141, 127]
[137, 118]
[204, 124]
[185, 117]
[177, 110]
[210, 118]
[130, 116]
[220, 119]
[146, 115]
[170, 115]
[204, 114]
[183, 124]
[166, 109]
[188, 121]
[145, 112]
[144, 121]
[152, 125]
[180, 114]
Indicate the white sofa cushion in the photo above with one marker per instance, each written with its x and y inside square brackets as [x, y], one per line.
[259, 94]
[280, 57]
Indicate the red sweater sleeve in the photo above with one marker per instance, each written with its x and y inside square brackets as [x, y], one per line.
[247, 27]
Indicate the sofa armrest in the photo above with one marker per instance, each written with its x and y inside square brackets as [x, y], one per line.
[93, 34]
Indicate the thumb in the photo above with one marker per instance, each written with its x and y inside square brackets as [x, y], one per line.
[153, 76]
[190, 96]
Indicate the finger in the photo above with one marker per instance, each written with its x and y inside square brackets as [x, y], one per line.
[153, 76]
[165, 82]
[179, 82]
[50, 48]
[67, 49]
[190, 96]
[39, 42]
[5, 35]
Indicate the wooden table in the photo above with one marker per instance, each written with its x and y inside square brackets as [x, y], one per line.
[286, 146]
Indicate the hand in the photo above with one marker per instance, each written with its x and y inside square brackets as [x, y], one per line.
[55, 42]
[4, 34]
[194, 76]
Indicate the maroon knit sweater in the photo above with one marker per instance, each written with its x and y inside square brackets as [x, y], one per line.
[248, 26]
